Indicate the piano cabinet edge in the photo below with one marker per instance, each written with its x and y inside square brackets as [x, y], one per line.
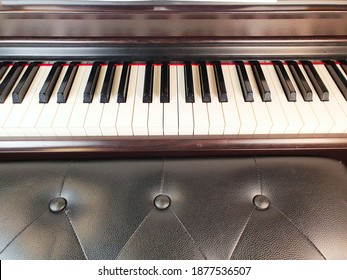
[172, 146]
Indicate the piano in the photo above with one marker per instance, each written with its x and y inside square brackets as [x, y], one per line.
[89, 79]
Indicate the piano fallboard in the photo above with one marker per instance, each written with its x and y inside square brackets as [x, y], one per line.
[157, 31]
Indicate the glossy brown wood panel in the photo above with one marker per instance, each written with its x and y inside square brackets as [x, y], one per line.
[173, 20]
[108, 147]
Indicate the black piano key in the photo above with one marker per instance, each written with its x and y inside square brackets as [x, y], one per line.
[108, 81]
[10, 79]
[91, 83]
[344, 65]
[3, 68]
[148, 86]
[50, 83]
[300, 80]
[337, 76]
[123, 83]
[165, 83]
[65, 86]
[286, 83]
[189, 86]
[244, 82]
[317, 82]
[205, 88]
[220, 83]
[261, 81]
[24, 83]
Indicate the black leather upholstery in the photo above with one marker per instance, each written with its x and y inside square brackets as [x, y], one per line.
[207, 211]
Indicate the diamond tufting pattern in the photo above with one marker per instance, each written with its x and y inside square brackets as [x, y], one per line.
[206, 209]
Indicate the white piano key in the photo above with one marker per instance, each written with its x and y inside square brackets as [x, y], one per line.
[110, 111]
[230, 110]
[310, 122]
[323, 116]
[342, 100]
[279, 120]
[248, 122]
[155, 109]
[80, 109]
[94, 114]
[5, 74]
[49, 110]
[6, 108]
[18, 111]
[344, 74]
[215, 111]
[62, 117]
[201, 122]
[185, 110]
[140, 116]
[261, 113]
[32, 115]
[289, 108]
[341, 70]
[171, 109]
[126, 110]
[337, 105]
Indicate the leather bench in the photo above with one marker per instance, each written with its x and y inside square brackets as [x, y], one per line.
[211, 208]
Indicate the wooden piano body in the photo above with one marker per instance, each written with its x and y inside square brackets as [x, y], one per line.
[175, 32]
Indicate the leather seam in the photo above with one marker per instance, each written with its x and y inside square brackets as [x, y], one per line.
[136, 230]
[302, 233]
[25, 228]
[64, 178]
[241, 234]
[162, 178]
[74, 232]
[259, 176]
[338, 192]
[190, 236]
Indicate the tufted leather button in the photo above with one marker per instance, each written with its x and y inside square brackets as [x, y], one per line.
[162, 202]
[57, 204]
[261, 202]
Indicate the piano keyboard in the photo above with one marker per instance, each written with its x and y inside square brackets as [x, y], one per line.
[202, 98]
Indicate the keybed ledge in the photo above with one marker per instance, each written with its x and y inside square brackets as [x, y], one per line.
[333, 146]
